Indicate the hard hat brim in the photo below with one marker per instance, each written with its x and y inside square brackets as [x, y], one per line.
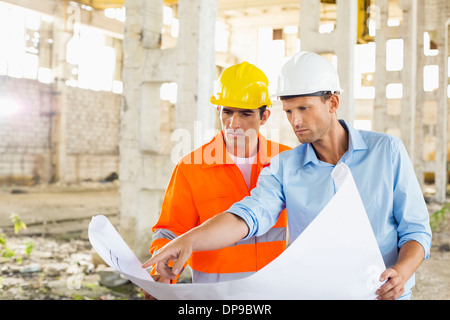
[232, 103]
[312, 94]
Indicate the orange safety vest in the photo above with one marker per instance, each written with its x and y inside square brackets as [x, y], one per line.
[207, 182]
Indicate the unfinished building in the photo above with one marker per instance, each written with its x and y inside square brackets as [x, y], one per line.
[89, 88]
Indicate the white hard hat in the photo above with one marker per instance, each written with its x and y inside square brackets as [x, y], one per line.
[307, 74]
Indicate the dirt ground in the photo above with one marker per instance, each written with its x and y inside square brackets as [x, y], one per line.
[63, 265]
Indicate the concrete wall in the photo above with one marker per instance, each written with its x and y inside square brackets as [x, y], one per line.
[24, 134]
[93, 120]
[27, 137]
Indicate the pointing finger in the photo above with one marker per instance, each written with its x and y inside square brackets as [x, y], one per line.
[161, 256]
[150, 262]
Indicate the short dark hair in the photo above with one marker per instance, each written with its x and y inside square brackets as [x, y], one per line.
[327, 95]
[262, 109]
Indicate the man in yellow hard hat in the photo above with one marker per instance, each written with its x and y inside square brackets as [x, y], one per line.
[213, 177]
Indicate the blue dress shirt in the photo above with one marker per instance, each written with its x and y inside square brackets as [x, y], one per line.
[298, 181]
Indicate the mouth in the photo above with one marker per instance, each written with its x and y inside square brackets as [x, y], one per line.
[301, 131]
[235, 135]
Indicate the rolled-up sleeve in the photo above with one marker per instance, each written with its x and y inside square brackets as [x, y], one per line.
[410, 210]
[262, 208]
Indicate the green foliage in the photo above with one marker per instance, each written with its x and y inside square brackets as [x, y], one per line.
[437, 217]
[18, 223]
[29, 247]
[5, 251]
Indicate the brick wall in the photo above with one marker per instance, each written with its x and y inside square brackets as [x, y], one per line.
[91, 133]
[25, 134]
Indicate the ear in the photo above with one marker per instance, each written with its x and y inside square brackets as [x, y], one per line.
[265, 116]
[333, 103]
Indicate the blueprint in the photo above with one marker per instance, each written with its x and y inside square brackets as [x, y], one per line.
[336, 257]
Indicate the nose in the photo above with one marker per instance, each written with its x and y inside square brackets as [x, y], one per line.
[235, 123]
[296, 120]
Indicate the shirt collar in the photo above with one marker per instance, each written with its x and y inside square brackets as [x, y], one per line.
[356, 142]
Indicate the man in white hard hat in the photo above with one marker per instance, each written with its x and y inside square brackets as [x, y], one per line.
[301, 181]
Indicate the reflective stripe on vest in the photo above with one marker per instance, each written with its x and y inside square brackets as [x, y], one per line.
[274, 234]
[203, 277]
[163, 234]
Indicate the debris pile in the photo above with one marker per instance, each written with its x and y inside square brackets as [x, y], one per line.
[65, 269]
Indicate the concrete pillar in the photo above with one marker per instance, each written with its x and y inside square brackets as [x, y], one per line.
[196, 69]
[145, 159]
[341, 42]
[62, 33]
[396, 115]
[432, 106]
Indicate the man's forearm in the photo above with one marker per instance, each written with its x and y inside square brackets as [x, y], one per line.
[218, 232]
[409, 258]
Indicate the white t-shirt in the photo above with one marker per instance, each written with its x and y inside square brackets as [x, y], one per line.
[245, 165]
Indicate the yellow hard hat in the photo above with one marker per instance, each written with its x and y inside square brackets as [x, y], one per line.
[242, 86]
